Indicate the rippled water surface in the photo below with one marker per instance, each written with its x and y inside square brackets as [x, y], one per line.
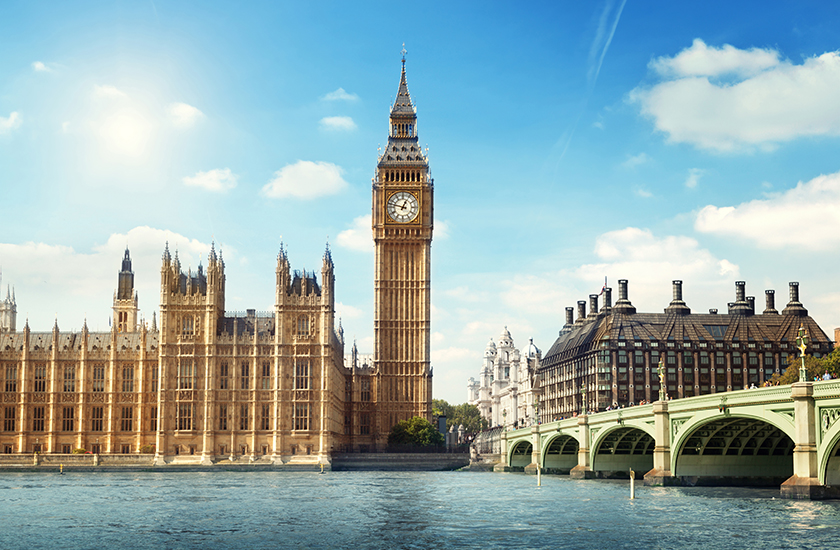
[395, 510]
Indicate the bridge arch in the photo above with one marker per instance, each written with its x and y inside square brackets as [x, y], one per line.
[829, 452]
[619, 448]
[720, 447]
[560, 453]
[520, 454]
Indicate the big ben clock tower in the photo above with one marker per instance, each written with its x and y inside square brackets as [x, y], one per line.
[402, 233]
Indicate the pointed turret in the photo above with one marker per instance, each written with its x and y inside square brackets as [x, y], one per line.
[402, 104]
[125, 298]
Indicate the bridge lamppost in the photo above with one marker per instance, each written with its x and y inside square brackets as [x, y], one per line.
[537, 408]
[663, 394]
[583, 399]
[802, 342]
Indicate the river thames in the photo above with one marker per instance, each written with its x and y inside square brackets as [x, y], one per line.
[395, 510]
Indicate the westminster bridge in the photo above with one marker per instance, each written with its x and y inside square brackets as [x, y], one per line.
[781, 435]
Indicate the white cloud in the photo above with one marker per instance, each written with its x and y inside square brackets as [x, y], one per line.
[634, 253]
[65, 127]
[456, 354]
[9, 123]
[108, 91]
[218, 180]
[805, 217]
[340, 123]
[761, 103]
[441, 229]
[54, 279]
[183, 115]
[38, 67]
[345, 311]
[693, 178]
[644, 193]
[702, 60]
[635, 160]
[340, 95]
[359, 236]
[305, 180]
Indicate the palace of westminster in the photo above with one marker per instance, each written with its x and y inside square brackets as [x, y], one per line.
[202, 385]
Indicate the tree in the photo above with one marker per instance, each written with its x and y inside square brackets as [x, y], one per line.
[814, 367]
[416, 431]
[456, 415]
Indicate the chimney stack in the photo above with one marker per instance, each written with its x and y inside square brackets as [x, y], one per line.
[581, 313]
[570, 316]
[795, 307]
[677, 305]
[770, 301]
[741, 306]
[593, 306]
[623, 304]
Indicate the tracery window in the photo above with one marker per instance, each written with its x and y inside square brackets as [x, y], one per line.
[302, 416]
[70, 378]
[11, 378]
[245, 378]
[68, 419]
[40, 378]
[97, 413]
[266, 376]
[223, 376]
[38, 419]
[185, 416]
[9, 420]
[98, 378]
[127, 419]
[265, 418]
[223, 417]
[302, 375]
[244, 414]
[303, 326]
[128, 378]
[186, 373]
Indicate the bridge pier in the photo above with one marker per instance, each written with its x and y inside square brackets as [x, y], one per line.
[805, 482]
[502, 465]
[535, 450]
[661, 473]
[583, 470]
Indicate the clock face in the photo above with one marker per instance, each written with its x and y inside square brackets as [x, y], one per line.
[402, 207]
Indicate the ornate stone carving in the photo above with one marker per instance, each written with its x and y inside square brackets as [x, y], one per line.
[828, 417]
[676, 425]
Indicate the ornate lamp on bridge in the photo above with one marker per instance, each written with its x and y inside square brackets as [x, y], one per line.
[663, 394]
[537, 408]
[802, 342]
[583, 399]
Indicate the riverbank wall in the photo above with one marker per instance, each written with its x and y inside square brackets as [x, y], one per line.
[413, 462]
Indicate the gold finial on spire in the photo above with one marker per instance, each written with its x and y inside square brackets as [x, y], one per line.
[403, 52]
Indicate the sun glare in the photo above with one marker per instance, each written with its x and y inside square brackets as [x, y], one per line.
[126, 132]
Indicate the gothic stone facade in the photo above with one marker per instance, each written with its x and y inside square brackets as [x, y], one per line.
[402, 219]
[209, 385]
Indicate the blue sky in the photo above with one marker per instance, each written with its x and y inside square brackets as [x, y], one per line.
[569, 141]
